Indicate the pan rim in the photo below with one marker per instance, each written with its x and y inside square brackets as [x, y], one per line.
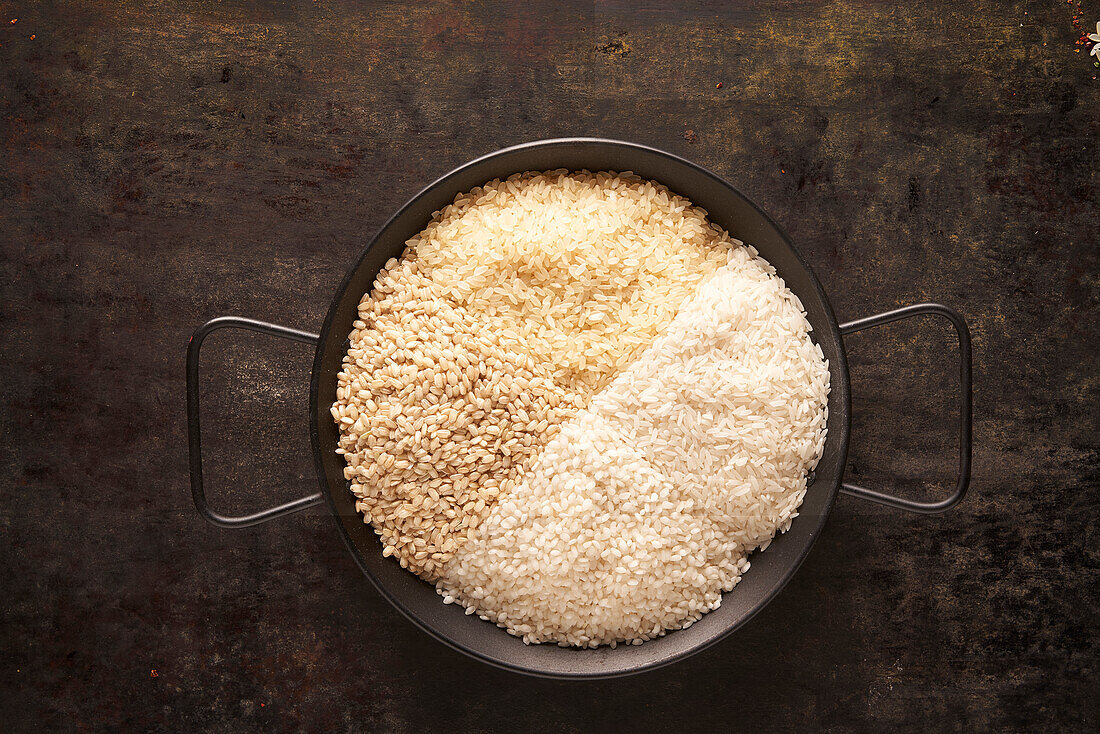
[838, 373]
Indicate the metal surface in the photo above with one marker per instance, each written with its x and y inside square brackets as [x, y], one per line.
[164, 163]
[771, 569]
[965, 407]
[194, 433]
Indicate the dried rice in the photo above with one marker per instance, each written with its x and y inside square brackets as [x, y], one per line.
[577, 405]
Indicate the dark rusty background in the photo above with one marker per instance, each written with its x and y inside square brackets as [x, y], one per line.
[159, 167]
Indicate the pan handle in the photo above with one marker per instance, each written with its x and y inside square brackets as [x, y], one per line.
[193, 433]
[965, 405]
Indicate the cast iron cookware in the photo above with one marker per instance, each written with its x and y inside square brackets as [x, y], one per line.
[771, 569]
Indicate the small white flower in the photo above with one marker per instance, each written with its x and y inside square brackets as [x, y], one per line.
[1095, 37]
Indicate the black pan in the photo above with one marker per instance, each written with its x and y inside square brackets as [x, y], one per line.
[771, 569]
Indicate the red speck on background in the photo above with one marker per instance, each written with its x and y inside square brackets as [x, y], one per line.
[32, 36]
[782, 170]
[718, 85]
[14, 21]
[153, 673]
[262, 705]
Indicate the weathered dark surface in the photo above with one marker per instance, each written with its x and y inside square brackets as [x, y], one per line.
[158, 168]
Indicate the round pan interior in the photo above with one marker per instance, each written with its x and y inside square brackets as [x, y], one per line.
[417, 599]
